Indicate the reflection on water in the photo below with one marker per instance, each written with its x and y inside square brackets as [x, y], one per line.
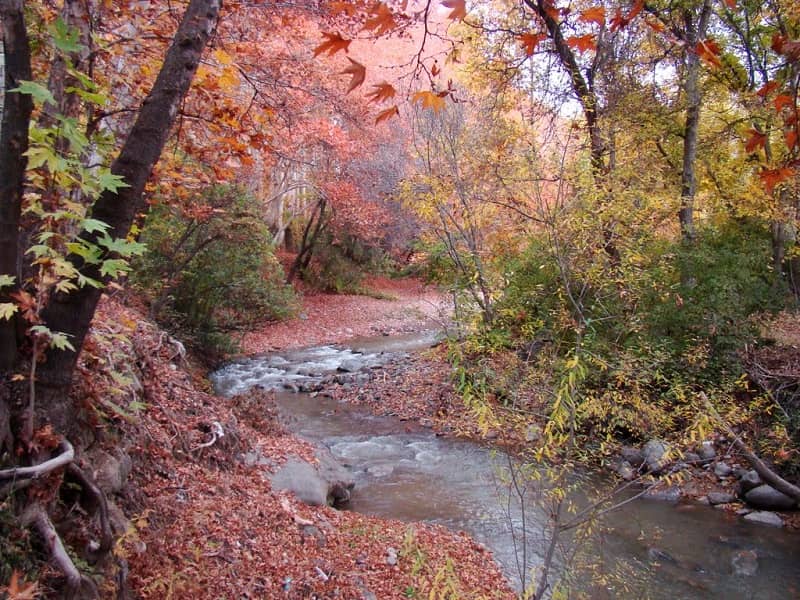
[665, 551]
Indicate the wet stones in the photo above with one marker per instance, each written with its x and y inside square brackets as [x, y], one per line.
[763, 517]
[744, 563]
[766, 497]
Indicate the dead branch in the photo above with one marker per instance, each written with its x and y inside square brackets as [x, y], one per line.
[66, 457]
[763, 470]
[216, 433]
[99, 498]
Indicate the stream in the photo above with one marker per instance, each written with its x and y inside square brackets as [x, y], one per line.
[404, 471]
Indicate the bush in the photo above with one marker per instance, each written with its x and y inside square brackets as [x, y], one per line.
[211, 270]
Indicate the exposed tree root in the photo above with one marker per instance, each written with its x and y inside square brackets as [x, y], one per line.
[36, 516]
[48, 466]
[98, 498]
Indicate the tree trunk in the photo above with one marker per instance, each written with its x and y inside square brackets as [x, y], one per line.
[694, 33]
[13, 145]
[72, 313]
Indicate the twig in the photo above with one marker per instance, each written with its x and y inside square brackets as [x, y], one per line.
[89, 486]
[216, 433]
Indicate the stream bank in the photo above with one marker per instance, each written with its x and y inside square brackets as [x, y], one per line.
[403, 470]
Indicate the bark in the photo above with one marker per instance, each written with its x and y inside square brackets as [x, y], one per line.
[72, 313]
[695, 31]
[13, 144]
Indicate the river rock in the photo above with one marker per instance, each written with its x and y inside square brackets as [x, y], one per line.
[655, 455]
[692, 458]
[764, 517]
[670, 494]
[330, 483]
[715, 498]
[748, 481]
[722, 470]
[634, 456]
[768, 498]
[350, 366]
[706, 451]
[744, 563]
[625, 470]
[110, 472]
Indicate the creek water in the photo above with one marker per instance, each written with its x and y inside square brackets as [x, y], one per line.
[647, 549]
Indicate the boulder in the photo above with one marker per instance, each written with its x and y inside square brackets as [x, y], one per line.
[744, 563]
[768, 498]
[625, 470]
[715, 498]
[764, 517]
[329, 483]
[110, 472]
[722, 470]
[655, 454]
[634, 456]
[670, 494]
[748, 481]
[706, 451]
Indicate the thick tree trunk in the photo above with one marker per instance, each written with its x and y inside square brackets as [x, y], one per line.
[72, 313]
[695, 31]
[13, 144]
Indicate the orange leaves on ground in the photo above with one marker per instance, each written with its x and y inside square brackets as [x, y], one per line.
[708, 50]
[773, 177]
[458, 9]
[382, 20]
[359, 73]
[656, 26]
[430, 100]
[334, 43]
[342, 7]
[791, 139]
[387, 114]
[530, 41]
[755, 141]
[595, 14]
[381, 92]
[18, 589]
[582, 43]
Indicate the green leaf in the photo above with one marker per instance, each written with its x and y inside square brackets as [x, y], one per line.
[66, 286]
[121, 246]
[88, 252]
[92, 225]
[84, 280]
[7, 310]
[92, 97]
[60, 342]
[111, 182]
[114, 267]
[37, 91]
[65, 37]
[6, 280]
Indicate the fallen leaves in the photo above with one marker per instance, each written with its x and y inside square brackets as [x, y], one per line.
[387, 114]
[458, 9]
[333, 43]
[358, 73]
[382, 92]
[432, 100]
[530, 41]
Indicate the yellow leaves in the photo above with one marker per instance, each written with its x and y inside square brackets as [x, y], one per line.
[582, 43]
[358, 72]
[387, 114]
[459, 9]
[430, 100]
[229, 79]
[333, 43]
[595, 14]
[381, 92]
[708, 50]
[222, 57]
[529, 41]
[382, 20]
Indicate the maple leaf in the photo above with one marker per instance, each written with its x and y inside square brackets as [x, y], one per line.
[342, 7]
[791, 139]
[708, 50]
[530, 41]
[772, 177]
[619, 21]
[359, 73]
[756, 140]
[19, 590]
[435, 70]
[582, 43]
[430, 100]
[656, 26]
[731, 4]
[459, 9]
[595, 14]
[782, 101]
[387, 114]
[383, 21]
[767, 89]
[334, 43]
[382, 91]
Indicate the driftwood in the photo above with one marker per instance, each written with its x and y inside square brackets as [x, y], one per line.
[66, 456]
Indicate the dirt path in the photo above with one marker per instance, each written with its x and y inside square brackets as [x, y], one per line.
[398, 306]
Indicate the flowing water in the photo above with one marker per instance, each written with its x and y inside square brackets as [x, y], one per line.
[406, 472]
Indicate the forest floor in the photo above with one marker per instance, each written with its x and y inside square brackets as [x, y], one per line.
[203, 522]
